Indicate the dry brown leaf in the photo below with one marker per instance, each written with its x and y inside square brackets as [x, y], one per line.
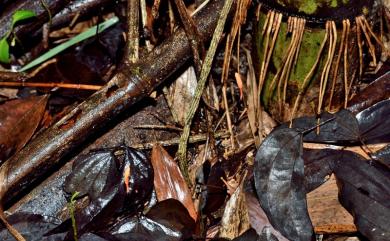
[19, 119]
[235, 219]
[239, 83]
[168, 180]
[258, 218]
[181, 93]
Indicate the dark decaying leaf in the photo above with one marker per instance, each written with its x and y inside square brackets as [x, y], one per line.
[167, 220]
[318, 166]
[376, 91]
[279, 181]
[173, 214]
[374, 122]
[18, 121]
[364, 191]
[215, 191]
[168, 180]
[122, 179]
[251, 235]
[383, 155]
[92, 174]
[137, 178]
[94, 237]
[339, 128]
[31, 226]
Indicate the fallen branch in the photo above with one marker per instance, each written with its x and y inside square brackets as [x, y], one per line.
[127, 87]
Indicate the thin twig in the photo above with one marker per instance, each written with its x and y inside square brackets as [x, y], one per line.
[268, 52]
[176, 141]
[158, 127]
[371, 47]
[41, 67]
[225, 71]
[51, 85]
[239, 18]
[331, 28]
[133, 31]
[336, 70]
[378, 40]
[206, 67]
[306, 81]
[192, 35]
[360, 46]
[346, 68]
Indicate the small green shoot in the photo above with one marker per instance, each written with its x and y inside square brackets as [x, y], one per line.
[21, 15]
[4, 50]
[71, 207]
[76, 39]
[18, 16]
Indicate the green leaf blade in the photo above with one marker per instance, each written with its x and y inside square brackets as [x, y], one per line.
[78, 38]
[4, 51]
[22, 15]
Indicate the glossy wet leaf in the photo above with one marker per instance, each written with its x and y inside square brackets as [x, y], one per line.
[279, 181]
[167, 220]
[31, 226]
[21, 15]
[374, 122]
[383, 155]
[168, 180]
[339, 128]
[319, 165]
[174, 215]
[137, 179]
[19, 119]
[92, 174]
[122, 180]
[365, 192]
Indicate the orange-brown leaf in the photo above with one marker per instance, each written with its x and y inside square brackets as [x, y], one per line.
[18, 121]
[168, 180]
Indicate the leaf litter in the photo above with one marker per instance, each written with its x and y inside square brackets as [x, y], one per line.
[125, 196]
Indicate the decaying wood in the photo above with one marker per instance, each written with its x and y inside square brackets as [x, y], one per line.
[127, 87]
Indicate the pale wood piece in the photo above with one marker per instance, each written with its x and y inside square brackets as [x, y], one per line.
[326, 212]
